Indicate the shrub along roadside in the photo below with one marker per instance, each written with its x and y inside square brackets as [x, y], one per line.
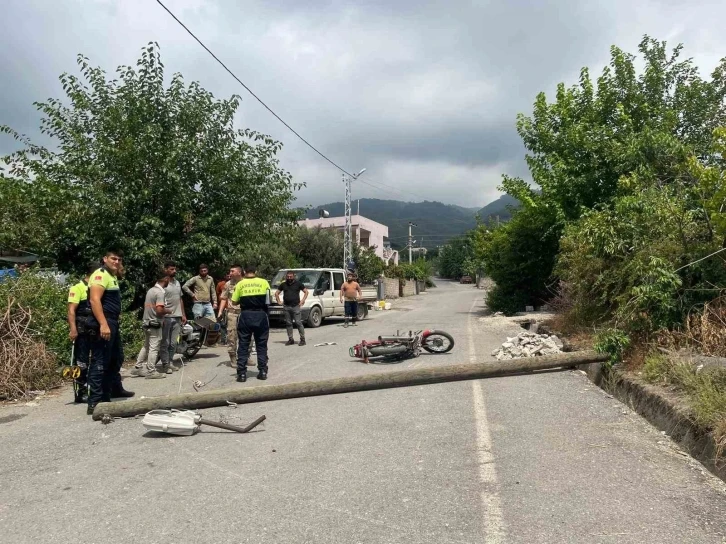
[705, 391]
[44, 300]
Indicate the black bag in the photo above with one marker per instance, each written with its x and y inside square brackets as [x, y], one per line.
[153, 324]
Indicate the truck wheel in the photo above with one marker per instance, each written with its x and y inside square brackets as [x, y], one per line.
[362, 311]
[315, 318]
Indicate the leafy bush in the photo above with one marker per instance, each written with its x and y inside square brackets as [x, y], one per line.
[508, 302]
[368, 265]
[620, 262]
[613, 342]
[421, 270]
[455, 258]
[46, 299]
[519, 257]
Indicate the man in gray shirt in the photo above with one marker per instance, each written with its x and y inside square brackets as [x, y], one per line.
[154, 313]
[174, 320]
[203, 292]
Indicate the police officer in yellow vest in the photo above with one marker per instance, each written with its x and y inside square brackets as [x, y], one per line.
[253, 296]
[79, 310]
[106, 350]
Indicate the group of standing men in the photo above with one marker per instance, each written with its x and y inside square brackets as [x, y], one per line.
[94, 309]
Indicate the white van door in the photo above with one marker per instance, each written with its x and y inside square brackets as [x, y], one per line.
[327, 298]
[338, 280]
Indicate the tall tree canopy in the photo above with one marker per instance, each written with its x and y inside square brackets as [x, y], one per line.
[631, 121]
[159, 171]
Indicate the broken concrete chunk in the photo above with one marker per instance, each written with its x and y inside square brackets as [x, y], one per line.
[528, 344]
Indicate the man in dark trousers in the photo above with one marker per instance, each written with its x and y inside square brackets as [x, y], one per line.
[253, 296]
[79, 310]
[106, 349]
[290, 289]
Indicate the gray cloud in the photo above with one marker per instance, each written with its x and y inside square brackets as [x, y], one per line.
[424, 95]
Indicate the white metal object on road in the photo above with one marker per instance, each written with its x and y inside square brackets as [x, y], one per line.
[171, 422]
[326, 344]
[187, 422]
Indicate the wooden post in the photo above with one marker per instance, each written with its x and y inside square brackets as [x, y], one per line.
[369, 382]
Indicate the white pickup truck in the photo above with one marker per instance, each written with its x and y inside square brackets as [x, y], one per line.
[323, 300]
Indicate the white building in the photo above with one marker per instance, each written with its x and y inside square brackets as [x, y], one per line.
[366, 233]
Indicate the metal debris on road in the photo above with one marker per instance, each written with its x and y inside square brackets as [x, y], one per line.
[326, 344]
[187, 422]
[197, 385]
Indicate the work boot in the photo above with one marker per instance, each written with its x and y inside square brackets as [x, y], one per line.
[139, 372]
[122, 394]
[290, 342]
[302, 342]
[90, 409]
[241, 378]
[81, 396]
[166, 369]
[154, 375]
[262, 374]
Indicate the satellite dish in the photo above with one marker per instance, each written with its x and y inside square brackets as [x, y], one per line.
[323, 213]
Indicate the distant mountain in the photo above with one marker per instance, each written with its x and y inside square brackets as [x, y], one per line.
[436, 222]
[499, 207]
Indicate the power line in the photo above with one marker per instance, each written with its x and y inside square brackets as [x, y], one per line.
[311, 146]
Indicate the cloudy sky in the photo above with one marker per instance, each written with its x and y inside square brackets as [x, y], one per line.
[422, 94]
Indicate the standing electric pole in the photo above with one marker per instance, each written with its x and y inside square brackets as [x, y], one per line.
[347, 233]
[410, 242]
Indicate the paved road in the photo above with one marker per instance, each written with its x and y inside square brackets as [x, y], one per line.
[533, 459]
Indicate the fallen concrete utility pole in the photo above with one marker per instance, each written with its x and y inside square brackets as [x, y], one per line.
[381, 380]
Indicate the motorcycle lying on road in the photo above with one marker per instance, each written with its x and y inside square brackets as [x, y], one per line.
[195, 334]
[401, 347]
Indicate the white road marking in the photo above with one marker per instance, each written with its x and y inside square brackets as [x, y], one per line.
[491, 503]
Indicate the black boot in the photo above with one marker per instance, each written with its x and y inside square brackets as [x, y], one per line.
[290, 342]
[262, 374]
[81, 394]
[90, 409]
[122, 394]
[242, 377]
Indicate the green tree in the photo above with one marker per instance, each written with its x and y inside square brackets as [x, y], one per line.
[455, 257]
[519, 257]
[159, 171]
[368, 265]
[632, 131]
[581, 144]
[318, 247]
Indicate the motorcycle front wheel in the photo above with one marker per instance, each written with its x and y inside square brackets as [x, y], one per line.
[191, 351]
[438, 342]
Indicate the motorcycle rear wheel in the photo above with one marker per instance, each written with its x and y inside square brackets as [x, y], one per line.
[438, 342]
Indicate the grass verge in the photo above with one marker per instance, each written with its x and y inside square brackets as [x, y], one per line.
[704, 390]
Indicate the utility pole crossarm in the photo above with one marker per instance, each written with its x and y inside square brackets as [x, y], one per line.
[410, 242]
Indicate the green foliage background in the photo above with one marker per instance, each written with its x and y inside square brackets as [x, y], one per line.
[630, 191]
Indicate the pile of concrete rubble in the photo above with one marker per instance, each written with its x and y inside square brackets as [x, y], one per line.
[528, 344]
